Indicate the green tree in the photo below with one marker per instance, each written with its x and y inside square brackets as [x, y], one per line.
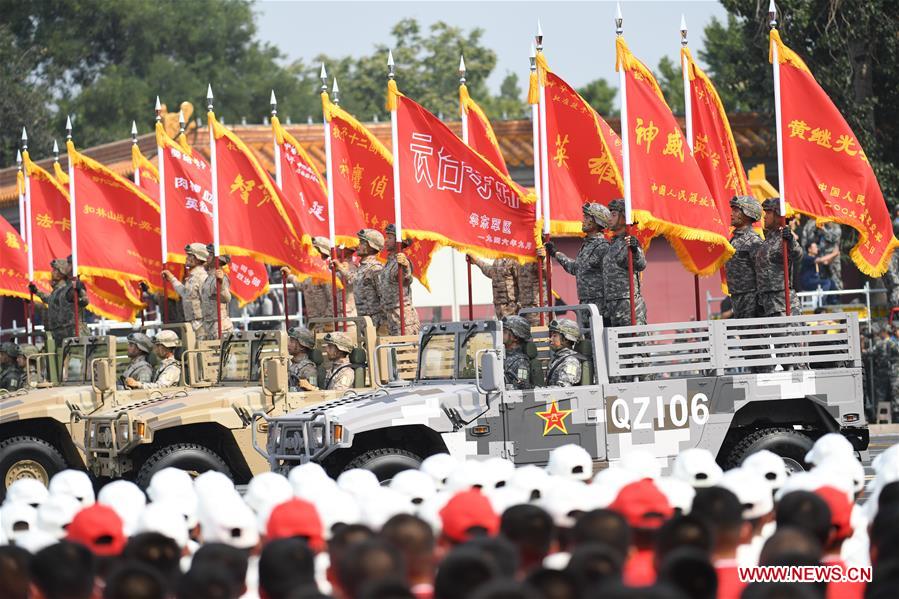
[601, 96]
[508, 104]
[851, 47]
[670, 76]
[107, 61]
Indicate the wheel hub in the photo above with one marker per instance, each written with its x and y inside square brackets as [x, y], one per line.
[26, 469]
[792, 466]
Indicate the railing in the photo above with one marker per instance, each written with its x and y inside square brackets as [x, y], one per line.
[732, 345]
[809, 300]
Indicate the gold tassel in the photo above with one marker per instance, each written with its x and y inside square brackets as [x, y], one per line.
[533, 89]
[392, 93]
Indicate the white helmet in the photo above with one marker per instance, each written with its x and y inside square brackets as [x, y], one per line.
[166, 518]
[751, 489]
[305, 477]
[608, 482]
[531, 479]
[848, 471]
[565, 498]
[55, 514]
[73, 483]
[641, 462]
[679, 493]
[27, 490]
[414, 484]
[571, 461]
[170, 482]
[769, 465]
[267, 489]
[16, 519]
[499, 471]
[696, 467]
[127, 500]
[830, 445]
[358, 481]
[439, 466]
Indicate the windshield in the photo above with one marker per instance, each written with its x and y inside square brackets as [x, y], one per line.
[439, 359]
[469, 351]
[241, 359]
[77, 358]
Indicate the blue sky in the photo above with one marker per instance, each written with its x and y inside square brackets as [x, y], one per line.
[578, 36]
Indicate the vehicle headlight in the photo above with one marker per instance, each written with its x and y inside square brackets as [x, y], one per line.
[122, 431]
[318, 436]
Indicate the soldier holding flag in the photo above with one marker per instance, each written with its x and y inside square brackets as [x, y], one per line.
[190, 291]
[388, 289]
[740, 269]
[616, 287]
[769, 264]
[60, 315]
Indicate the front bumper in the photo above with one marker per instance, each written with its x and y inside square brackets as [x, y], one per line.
[295, 440]
[106, 442]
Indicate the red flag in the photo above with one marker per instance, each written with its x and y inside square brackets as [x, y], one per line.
[13, 263]
[51, 229]
[188, 184]
[584, 154]
[667, 191]
[302, 185]
[826, 173]
[451, 194]
[117, 225]
[147, 173]
[253, 218]
[363, 185]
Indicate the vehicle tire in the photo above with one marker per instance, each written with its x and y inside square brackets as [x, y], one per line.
[194, 458]
[788, 443]
[386, 463]
[28, 457]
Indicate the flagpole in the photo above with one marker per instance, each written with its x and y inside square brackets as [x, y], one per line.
[276, 155]
[464, 114]
[25, 231]
[626, 167]
[772, 22]
[544, 168]
[688, 121]
[535, 136]
[397, 204]
[335, 91]
[323, 75]
[163, 234]
[216, 246]
[136, 179]
[73, 213]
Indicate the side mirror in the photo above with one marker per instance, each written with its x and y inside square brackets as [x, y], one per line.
[104, 375]
[492, 378]
[274, 377]
[393, 369]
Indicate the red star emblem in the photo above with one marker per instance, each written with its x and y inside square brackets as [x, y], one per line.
[554, 418]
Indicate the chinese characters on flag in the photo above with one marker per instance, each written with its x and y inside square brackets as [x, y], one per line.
[826, 172]
[51, 229]
[668, 192]
[453, 195]
[584, 154]
[13, 262]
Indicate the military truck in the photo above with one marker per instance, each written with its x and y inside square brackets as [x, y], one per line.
[39, 434]
[730, 386]
[209, 429]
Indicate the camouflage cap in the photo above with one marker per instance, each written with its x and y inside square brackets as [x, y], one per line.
[143, 343]
[223, 260]
[10, 349]
[373, 238]
[167, 339]
[617, 205]
[748, 205]
[518, 326]
[339, 340]
[197, 250]
[62, 266]
[567, 328]
[771, 204]
[322, 244]
[303, 336]
[599, 213]
[390, 229]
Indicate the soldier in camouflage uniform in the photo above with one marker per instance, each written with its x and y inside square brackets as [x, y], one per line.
[587, 266]
[208, 297]
[317, 296]
[12, 376]
[616, 288]
[829, 249]
[341, 374]
[528, 292]
[503, 275]
[891, 280]
[564, 368]
[190, 290]
[388, 288]
[740, 269]
[364, 281]
[886, 369]
[60, 314]
[139, 369]
[168, 371]
[769, 264]
[302, 373]
[516, 366]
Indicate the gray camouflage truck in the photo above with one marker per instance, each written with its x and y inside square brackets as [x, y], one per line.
[38, 436]
[201, 429]
[730, 386]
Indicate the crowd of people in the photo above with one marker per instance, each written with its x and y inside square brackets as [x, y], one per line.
[458, 530]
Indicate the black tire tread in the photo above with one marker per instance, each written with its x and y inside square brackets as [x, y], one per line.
[147, 468]
[736, 455]
[361, 459]
[53, 453]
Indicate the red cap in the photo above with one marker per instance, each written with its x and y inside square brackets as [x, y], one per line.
[642, 504]
[840, 511]
[98, 528]
[296, 518]
[467, 510]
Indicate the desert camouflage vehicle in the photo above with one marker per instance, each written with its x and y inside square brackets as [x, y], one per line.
[662, 387]
[38, 435]
[201, 429]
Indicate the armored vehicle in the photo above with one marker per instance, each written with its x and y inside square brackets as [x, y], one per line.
[201, 429]
[730, 386]
[38, 434]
